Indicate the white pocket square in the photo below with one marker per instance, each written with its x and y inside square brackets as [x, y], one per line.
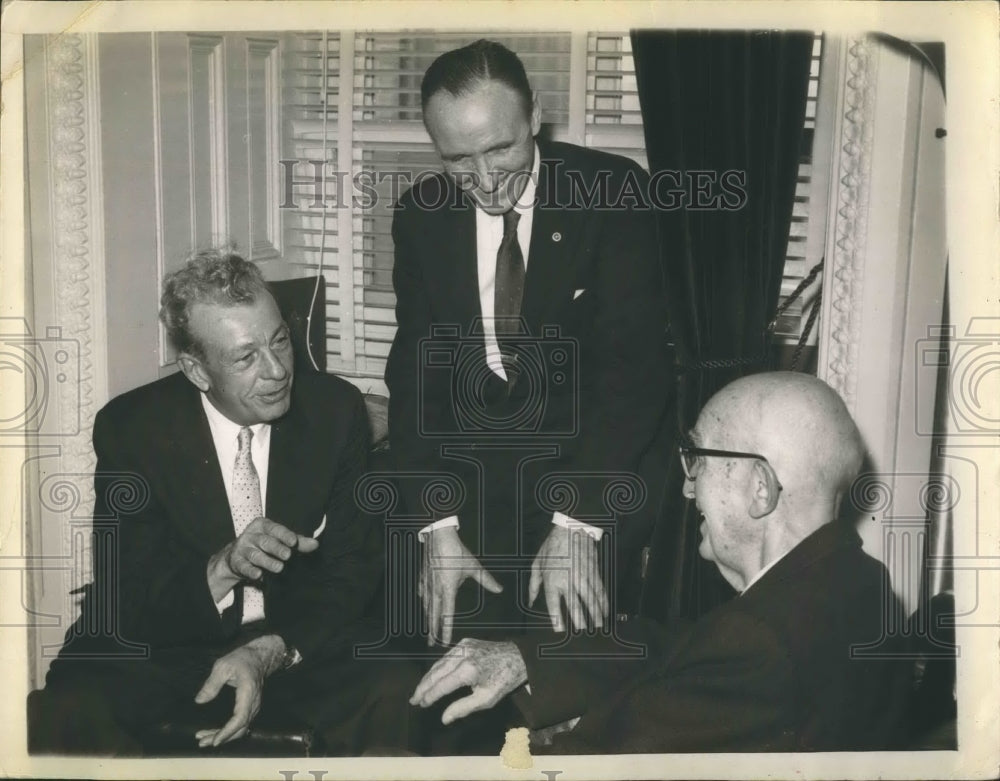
[319, 529]
[579, 293]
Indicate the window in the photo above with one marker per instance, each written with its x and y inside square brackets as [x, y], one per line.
[613, 119]
[357, 136]
[808, 228]
[390, 148]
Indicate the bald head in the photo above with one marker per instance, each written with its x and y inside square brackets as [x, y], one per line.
[790, 450]
[799, 424]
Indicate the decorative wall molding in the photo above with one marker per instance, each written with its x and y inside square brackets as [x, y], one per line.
[209, 98]
[77, 258]
[263, 148]
[848, 220]
[886, 254]
[164, 348]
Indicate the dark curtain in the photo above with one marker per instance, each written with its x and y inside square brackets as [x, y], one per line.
[723, 114]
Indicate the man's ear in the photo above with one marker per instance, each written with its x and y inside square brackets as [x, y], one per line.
[194, 371]
[764, 489]
[536, 114]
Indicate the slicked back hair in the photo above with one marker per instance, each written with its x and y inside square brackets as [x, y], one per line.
[459, 71]
[214, 276]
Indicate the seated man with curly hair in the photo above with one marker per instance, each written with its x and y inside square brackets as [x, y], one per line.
[243, 573]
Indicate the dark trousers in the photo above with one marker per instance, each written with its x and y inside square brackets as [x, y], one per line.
[113, 707]
[503, 526]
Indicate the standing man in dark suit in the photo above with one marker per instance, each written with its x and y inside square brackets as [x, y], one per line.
[800, 661]
[529, 357]
[242, 563]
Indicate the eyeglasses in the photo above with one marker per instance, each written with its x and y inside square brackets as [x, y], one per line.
[691, 458]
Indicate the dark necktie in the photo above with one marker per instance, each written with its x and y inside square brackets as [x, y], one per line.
[509, 279]
[509, 289]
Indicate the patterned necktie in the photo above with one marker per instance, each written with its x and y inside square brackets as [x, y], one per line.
[509, 288]
[246, 507]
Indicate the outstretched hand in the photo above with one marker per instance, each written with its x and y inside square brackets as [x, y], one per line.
[567, 568]
[245, 670]
[493, 670]
[446, 565]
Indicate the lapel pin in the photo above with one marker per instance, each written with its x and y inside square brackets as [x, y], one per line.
[557, 236]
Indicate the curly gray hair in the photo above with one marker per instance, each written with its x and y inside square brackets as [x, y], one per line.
[217, 276]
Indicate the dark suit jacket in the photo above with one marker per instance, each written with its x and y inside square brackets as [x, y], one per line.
[771, 670]
[156, 441]
[604, 414]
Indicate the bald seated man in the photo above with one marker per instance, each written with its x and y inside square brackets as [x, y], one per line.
[783, 665]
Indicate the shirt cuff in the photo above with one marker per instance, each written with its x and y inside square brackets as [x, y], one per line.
[225, 602]
[451, 520]
[573, 525]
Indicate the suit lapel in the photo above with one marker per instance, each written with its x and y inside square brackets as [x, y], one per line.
[290, 468]
[459, 277]
[551, 266]
[205, 515]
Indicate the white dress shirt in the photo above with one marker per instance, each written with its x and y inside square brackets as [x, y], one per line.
[489, 234]
[225, 437]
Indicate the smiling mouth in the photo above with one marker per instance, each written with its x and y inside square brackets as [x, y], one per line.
[494, 198]
[502, 192]
[276, 396]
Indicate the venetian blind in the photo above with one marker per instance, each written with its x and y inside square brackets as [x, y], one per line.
[355, 138]
[806, 221]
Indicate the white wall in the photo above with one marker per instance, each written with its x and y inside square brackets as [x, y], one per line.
[141, 147]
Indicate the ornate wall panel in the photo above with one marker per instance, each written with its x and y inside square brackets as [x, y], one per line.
[886, 255]
[77, 258]
[262, 146]
[69, 327]
[847, 225]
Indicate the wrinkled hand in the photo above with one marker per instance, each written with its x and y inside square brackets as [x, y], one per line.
[492, 670]
[245, 670]
[264, 546]
[567, 567]
[446, 565]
